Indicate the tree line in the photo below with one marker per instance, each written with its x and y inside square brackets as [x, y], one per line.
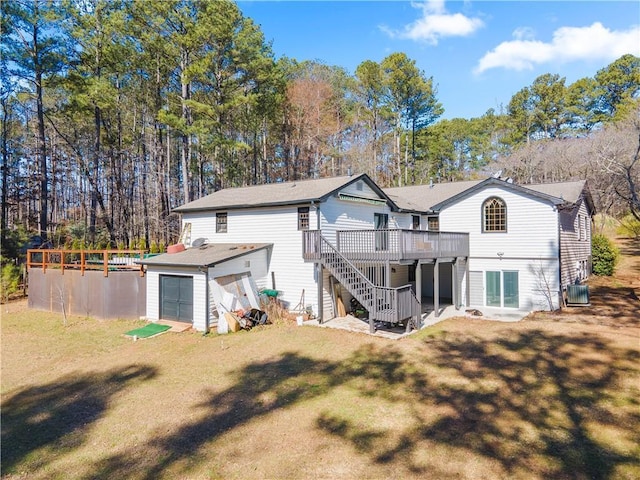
[113, 112]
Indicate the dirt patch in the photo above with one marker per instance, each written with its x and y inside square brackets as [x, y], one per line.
[614, 300]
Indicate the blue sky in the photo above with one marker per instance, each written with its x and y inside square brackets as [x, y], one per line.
[479, 53]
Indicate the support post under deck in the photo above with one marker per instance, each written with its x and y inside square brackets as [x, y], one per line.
[436, 288]
[320, 274]
[454, 284]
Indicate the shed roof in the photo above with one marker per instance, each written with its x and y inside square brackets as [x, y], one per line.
[206, 255]
[277, 194]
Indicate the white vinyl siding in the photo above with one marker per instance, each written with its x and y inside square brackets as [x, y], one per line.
[476, 289]
[575, 241]
[278, 225]
[537, 282]
[529, 246]
[360, 189]
[532, 225]
[200, 315]
[345, 215]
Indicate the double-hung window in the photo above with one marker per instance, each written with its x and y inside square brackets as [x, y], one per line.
[221, 222]
[303, 218]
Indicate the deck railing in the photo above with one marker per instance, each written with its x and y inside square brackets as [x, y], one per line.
[392, 245]
[104, 260]
[386, 304]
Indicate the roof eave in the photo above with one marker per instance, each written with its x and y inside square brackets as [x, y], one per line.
[240, 206]
[495, 181]
[204, 265]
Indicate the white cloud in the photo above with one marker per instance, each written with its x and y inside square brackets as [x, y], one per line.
[524, 33]
[568, 44]
[436, 23]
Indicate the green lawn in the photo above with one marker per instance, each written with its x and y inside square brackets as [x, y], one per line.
[465, 399]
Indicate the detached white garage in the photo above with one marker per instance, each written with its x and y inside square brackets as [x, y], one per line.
[199, 284]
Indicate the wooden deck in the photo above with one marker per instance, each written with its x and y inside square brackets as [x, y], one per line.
[393, 245]
[103, 260]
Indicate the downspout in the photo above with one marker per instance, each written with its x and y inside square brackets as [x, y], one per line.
[560, 300]
[319, 272]
[208, 309]
[206, 290]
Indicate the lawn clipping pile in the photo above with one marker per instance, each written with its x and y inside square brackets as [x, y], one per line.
[147, 331]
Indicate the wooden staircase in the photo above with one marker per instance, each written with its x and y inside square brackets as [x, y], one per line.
[384, 304]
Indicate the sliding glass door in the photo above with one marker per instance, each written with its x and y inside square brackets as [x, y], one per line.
[502, 289]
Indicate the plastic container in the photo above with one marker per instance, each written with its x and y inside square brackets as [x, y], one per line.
[178, 247]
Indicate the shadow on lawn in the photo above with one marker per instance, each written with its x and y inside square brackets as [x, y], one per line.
[57, 415]
[533, 402]
[261, 388]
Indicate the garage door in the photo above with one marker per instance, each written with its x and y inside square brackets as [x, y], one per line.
[176, 298]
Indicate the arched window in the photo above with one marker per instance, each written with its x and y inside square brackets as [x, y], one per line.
[494, 215]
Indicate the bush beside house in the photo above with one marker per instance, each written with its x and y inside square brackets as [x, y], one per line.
[605, 255]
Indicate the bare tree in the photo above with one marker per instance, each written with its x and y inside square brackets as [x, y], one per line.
[616, 156]
[543, 283]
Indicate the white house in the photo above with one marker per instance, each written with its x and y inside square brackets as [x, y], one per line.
[526, 242]
[481, 244]
[275, 215]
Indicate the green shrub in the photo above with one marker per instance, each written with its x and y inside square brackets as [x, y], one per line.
[10, 280]
[141, 244]
[15, 241]
[605, 255]
[629, 227]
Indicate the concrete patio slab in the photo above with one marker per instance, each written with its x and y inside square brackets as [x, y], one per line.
[357, 325]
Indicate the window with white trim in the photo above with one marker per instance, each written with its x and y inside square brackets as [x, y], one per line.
[303, 218]
[221, 222]
[494, 215]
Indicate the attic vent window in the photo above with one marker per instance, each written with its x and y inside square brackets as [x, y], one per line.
[353, 198]
[359, 186]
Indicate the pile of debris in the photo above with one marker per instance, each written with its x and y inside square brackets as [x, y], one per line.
[246, 320]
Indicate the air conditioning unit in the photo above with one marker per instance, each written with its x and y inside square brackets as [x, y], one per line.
[578, 295]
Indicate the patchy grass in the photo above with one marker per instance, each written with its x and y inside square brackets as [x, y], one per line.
[554, 396]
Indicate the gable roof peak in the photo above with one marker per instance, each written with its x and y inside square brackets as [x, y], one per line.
[278, 194]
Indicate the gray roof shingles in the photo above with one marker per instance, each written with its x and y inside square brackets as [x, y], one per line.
[206, 255]
[416, 198]
[568, 191]
[272, 194]
[423, 197]
[433, 197]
